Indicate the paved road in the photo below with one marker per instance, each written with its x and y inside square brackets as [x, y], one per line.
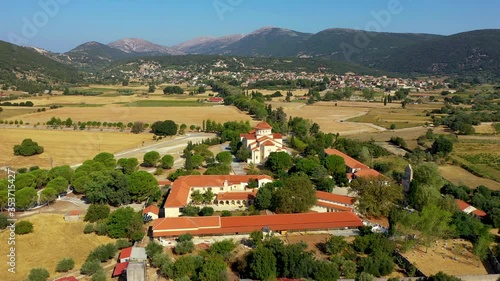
[173, 146]
[235, 165]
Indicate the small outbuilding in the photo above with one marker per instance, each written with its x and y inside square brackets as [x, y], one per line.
[72, 216]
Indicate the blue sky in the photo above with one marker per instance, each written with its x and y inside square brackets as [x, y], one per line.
[68, 23]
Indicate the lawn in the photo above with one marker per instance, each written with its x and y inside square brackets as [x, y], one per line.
[52, 240]
[64, 147]
[400, 117]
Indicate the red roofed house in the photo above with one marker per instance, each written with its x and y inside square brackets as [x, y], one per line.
[261, 142]
[151, 211]
[120, 268]
[329, 202]
[468, 209]
[216, 100]
[200, 226]
[231, 191]
[354, 167]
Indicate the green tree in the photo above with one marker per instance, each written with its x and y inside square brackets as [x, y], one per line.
[137, 127]
[64, 171]
[141, 185]
[125, 223]
[206, 211]
[440, 276]
[28, 148]
[167, 162]
[263, 199]
[335, 164]
[164, 128]
[128, 165]
[242, 153]
[262, 264]
[48, 194]
[190, 211]
[25, 198]
[224, 157]
[325, 271]
[153, 249]
[213, 269]
[151, 158]
[375, 197]
[65, 265]
[279, 161]
[97, 212]
[106, 158]
[296, 196]
[364, 276]
[90, 267]
[24, 227]
[335, 245]
[184, 247]
[99, 275]
[59, 184]
[197, 160]
[24, 180]
[223, 248]
[442, 146]
[38, 274]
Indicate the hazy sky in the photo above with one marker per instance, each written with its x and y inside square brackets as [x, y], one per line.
[60, 25]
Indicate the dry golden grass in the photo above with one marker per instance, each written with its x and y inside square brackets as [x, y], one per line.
[64, 147]
[485, 128]
[52, 240]
[327, 115]
[458, 175]
[455, 261]
[11, 112]
[401, 117]
[186, 115]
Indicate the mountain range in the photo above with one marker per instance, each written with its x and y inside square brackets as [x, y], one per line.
[468, 53]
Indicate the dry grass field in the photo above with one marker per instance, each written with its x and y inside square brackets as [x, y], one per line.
[52, 240]
[411, 116]
[13, 111]
[328, 116]
[186, 115]
[458, 175]
[453, 257]
[64, 147]
[485, 128]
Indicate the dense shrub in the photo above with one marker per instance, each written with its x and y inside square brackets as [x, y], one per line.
[28, 148]
[65, 265]
[24, 227]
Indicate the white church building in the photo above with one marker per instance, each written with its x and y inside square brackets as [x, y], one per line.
[261, 142]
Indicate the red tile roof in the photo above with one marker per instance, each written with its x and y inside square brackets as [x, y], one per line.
[179, 193]
[67, 278]
[151, 209]
[367, 173]
[73, 213]
[333, 206]
[327, 196]
[268, 143]
[349, 161]
[125, 253]
[263, 126]
[185, 224]
[465, 207]
[120, 268]
[228, 225]
[237, 195]
[215, 99]
[277, 136]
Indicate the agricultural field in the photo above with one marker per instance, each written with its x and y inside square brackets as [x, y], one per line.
[53, 239]
[185, 114]
[479, 155]
[65, 147]
[329, 117]
[453, 257]
[458, 175]
[411, 116]
[13, 111]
